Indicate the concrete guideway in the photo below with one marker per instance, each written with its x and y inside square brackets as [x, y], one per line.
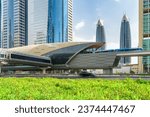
[133, 53]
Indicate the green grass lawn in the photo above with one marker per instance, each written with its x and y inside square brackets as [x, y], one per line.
[73, 89]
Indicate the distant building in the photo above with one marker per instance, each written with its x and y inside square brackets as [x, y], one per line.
[144, 34]
[100, 34]
[125, 38]
[129, 69]
[14, 31]
[49, 21]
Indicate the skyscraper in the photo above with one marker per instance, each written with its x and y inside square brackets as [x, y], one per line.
[14, 31]
[144, 34]
[100, 34]
[125, 38]
[37, 21]
[49, 21]
[61, 20]
[69, 22]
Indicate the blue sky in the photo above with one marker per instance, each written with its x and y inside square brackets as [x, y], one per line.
[87, 12]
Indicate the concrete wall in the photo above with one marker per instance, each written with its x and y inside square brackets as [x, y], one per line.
[93, 61]
[125, 69]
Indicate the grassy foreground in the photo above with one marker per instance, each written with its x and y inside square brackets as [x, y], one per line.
[73, 89]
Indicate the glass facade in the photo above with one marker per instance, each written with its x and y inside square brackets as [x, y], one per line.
[20, 23]
[100, 34]
[29, 58]
[125, 38]
[40, 8]
[7, 30]
[146, 4]
[14, 31]
[61, 11]
[146, 34]
[146, 59]
[146, 23]
[49, 21]
[60, 20]
[70, 35]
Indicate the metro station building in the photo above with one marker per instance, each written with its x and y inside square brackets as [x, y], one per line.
[55, 56]
[64, 56]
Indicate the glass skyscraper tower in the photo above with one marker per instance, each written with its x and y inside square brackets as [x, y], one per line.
[37, 21]
[100, 34]
[125, 38]
[49, 21]
[14, 31]
[144, 34]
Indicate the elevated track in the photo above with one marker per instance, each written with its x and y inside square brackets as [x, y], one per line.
[133, 53]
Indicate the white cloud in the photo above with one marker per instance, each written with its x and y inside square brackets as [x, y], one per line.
[79, 25]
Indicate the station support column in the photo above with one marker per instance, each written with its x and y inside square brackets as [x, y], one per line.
[44, 70]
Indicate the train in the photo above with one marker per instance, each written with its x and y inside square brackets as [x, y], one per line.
[121, 50]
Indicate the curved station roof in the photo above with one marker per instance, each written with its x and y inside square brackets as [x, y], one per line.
[54, 55]
[43, 49]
